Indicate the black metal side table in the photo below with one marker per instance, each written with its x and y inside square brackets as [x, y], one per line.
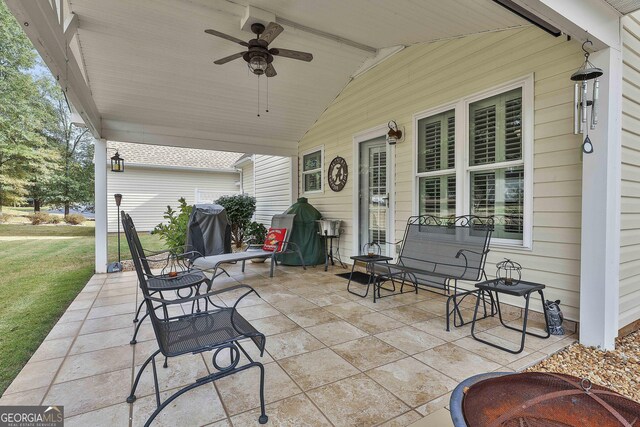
[369, 261]
[521, 289]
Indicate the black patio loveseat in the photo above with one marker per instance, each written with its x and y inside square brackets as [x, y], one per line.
[436, 253]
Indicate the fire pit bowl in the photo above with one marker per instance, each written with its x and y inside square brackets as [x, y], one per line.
[537, 399]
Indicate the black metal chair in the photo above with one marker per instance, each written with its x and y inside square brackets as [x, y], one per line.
[184, 278]
[217, 330]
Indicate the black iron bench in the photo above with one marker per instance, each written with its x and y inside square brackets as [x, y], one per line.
[436, 253]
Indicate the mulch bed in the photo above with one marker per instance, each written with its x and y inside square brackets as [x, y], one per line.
[618, 370]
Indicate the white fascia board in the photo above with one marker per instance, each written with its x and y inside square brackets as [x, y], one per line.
[175, 168]
[189, 138]
[41, 24]
[581, 19]
[240, 162]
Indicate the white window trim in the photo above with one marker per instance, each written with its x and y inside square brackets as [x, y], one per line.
[303, 172]
[462, 168]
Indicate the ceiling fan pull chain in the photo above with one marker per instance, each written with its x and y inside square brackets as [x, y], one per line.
[267, 110]
[258, 96]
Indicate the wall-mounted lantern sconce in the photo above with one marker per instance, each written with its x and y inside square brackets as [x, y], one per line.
[117, 163]
[581, 100]
[394, 135]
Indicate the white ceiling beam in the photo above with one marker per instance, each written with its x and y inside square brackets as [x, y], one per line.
[70, 27]
[579, 17]
[189, 138]
[40, 23]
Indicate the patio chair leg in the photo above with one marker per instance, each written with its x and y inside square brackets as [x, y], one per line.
[165, 365]
[135, 333]
[243, 263]
[135, 319]
[304, 267]
[132, 396]
[263, 416]
[273, 259]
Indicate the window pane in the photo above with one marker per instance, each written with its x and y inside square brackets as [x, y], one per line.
[312, 181]
[438, 195]
[500, 193]
[436, 142]
[312, 161]
[495, 128]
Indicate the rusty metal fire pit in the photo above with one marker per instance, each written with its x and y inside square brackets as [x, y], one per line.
[536, 399]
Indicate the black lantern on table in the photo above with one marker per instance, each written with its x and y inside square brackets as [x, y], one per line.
[117, 163]
[509, 272]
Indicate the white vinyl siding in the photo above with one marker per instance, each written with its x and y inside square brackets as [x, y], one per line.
[248, 178]
[146, 192]
[630, 190]
[425, 76]
[272, 186]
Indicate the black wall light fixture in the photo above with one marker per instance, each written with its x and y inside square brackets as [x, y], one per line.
[394, 135]
[525, 14]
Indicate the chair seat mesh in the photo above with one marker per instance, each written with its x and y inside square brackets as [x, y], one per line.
[206, 330]
[183, 280]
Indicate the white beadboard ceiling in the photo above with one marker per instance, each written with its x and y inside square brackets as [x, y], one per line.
[149, 64]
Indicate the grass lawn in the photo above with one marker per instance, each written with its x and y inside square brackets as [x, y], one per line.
[43, 268]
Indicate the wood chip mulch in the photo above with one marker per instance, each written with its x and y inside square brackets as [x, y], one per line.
[618, 370]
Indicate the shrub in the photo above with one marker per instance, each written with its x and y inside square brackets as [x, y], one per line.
[240, 209]
[5, 217]
[174, 232]
[74, 219]
[38, 218]
[256, 232]
[55, 219]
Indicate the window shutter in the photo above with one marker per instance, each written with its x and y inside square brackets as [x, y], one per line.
[483, 192]
[451, 142]
[432, 138]
[483, 149]
[513, 129]
[432, 196]
[514, 200]
[451, 195]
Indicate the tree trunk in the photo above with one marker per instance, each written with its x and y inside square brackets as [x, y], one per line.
[36, 205]
[66, 208]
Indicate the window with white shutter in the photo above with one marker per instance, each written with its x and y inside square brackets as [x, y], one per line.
[312, 170]
[491, 177]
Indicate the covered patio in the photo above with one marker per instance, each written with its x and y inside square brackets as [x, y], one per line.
[332, 358]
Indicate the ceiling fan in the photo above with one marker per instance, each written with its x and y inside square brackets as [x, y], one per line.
[258, 55]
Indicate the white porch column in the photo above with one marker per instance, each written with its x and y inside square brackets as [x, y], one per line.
[294, 178]
[100, 166]
[600, 247]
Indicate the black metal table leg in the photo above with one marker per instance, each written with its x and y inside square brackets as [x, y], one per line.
[349, 283]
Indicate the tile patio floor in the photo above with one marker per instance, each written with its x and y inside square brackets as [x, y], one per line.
[332, 358]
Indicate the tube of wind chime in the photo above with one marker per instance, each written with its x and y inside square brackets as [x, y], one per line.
[576, 109]
[594, 105]
[584, 100]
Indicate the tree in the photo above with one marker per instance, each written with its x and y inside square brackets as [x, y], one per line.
[24, 112]
[240, 209]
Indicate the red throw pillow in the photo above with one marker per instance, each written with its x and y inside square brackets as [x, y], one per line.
[274, 240]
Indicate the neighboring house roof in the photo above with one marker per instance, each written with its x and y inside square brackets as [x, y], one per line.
[173, 157]
[246, 157]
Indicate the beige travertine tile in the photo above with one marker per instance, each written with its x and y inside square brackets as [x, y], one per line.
[336, 332]
[52, 348]
[64, 330]
[91, 393]
[403, 420]
[101, 340]
[73, 315]
[527, 361]
[113, 300]
[368, 352]
[293, 411]
[438, 328]
[196, 407]
[258, 311]
[439, 418]
[435, 306]
[357, 400]
[312, 317]
[95, 362]
[181, 370]
[457, 362]
[35, 375]
[292, 343]
[327, 299]
[120, 321]
[274, 325]
[408, 314]
[435, 405]
[499, 356]
[412, 381]
[514, 337]
[311, 370]
[348, 310]
[410, 340]
[29, 397]
[116, 415]
[112, 310]
[241, 391]
[291, 305]
[375, 323]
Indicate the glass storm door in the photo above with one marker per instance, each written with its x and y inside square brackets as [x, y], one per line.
[374, 194]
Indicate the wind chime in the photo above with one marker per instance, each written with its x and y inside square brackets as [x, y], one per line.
[582, 122]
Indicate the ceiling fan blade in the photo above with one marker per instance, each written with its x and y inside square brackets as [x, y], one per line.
[227, 37]
[228, 58]
[293, 54]
[270, 71]
[272, 31]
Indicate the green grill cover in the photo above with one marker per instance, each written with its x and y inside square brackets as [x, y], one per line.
[305, 234]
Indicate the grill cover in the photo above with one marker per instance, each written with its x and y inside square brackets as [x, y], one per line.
[305, 234]
[209, 230]
[544, 399]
